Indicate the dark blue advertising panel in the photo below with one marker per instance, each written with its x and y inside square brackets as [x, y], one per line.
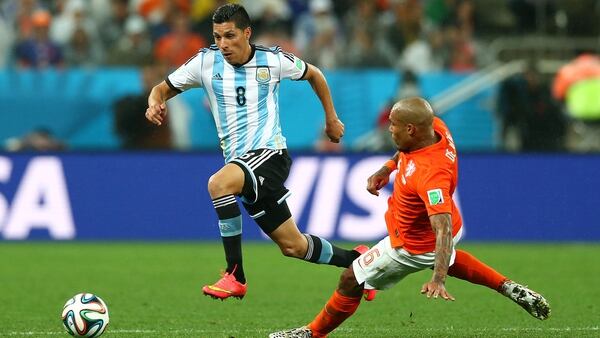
[163, 196]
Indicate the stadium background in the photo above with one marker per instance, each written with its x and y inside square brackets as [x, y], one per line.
[79, 162]
[86, 104]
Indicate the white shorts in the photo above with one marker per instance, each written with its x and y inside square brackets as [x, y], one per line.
[383, 266]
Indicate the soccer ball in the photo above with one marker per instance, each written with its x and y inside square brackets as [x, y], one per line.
[85, 315]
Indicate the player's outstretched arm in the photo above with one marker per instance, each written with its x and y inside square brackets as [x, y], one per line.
[334, 128]
[157, 107]
[442, 226]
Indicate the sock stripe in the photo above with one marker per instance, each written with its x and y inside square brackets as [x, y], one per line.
[311, 247]
[218, 199]
[222, 204]
[226, 207]
[224, 200]
[230, 227]
[326, 252]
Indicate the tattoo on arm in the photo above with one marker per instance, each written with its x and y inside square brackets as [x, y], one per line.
[383, 171]
[442, 226]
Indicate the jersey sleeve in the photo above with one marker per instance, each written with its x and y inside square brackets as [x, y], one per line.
[434, 190]
[292, 67]
[187, 75]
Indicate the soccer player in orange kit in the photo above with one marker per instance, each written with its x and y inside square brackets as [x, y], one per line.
[423, 223]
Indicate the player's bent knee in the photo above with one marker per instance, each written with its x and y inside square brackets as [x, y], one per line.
[219, 185]
[215, 188]
[348, 285]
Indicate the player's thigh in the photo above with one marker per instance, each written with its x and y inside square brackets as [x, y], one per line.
[379, 269]
[270, 214]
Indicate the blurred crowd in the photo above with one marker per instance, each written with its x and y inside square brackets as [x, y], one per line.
[407, 35]
[410, 37]
[415, 35]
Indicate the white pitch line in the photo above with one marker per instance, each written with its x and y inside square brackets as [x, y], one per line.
[47, 333]
[482, 330]
[560, 329]
[125, 331]
[122, 331]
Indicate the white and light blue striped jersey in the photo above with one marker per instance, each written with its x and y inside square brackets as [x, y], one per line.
[244, 100]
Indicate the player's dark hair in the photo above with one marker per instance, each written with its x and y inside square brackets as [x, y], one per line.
[232, 13]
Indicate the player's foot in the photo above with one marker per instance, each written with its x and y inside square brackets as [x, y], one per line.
[368, 294]
[531, 301]
[225, 287]
[301, 332]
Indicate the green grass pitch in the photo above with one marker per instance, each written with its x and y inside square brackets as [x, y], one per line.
[153, 290]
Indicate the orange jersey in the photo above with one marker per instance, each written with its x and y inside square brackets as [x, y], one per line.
[424, 184]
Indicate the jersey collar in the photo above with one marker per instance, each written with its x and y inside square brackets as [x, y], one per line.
[439, 143]
[252, 52]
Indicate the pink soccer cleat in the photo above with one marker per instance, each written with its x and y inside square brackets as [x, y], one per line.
[226, 287]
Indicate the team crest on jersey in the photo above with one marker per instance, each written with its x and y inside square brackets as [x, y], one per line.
[263, 74]
[435, 196]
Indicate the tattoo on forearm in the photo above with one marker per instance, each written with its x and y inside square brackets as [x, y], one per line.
[383, 171]
[442, 226]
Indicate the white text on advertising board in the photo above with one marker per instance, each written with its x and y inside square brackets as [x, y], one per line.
[41, 200]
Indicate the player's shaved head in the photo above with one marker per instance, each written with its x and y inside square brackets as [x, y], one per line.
[414, 110]
[411, 124]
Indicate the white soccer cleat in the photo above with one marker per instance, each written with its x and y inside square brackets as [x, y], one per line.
[301, 332]
[531, 301]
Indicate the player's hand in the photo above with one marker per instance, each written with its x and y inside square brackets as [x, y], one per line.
[378, 180]
[156, 113]
[334, 129]
[435, 290]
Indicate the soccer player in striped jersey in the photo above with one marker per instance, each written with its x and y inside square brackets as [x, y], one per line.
[241, 81]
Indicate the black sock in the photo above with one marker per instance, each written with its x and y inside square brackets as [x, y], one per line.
[342, 257]
[321, 251]
[233, 256]
[230, 225]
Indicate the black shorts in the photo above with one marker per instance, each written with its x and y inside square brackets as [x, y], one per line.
[264, 193]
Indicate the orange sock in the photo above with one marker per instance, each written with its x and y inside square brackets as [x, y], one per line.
[337, 309]
[469, 268]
